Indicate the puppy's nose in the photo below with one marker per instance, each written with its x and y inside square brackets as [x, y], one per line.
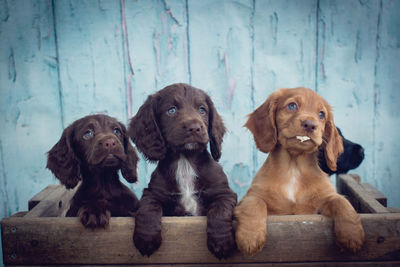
[309, 126]
[358, 151]
[194, 127]
[109, 143]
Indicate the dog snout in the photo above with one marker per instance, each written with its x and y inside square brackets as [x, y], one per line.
[193, 127]
[358, 153]
[109, 143]
[309, 126]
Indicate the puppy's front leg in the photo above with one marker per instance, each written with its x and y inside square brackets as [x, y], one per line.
[348, 228]
[147, 234]
[220, 233]
[251, 215]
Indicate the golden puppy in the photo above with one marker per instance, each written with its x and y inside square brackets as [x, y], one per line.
[291, 125]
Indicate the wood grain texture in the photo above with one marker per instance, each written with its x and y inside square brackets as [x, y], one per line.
[29, 101]
[364, 201]
[89, 44]
[41, 195]
[54, 204]
[289, 239]
[221, 61]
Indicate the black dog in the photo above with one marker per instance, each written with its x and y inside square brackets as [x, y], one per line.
[93, 149]
[174, 127]
[351, 158]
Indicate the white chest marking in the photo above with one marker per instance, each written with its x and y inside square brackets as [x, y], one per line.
[186, 177]
[292, 185]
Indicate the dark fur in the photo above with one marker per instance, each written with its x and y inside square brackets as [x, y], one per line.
[351, 158]
[96, 161]
[162, 137]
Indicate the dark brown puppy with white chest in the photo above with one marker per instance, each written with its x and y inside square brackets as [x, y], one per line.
[93, 149]
[174, 127]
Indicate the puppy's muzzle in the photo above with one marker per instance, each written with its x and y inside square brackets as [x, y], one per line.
[108, 151]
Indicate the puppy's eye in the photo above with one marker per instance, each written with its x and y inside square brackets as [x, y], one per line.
[88, 134]
[202, 110]
[117, 131]
[171, 111]
[321, 115]
[292, 106]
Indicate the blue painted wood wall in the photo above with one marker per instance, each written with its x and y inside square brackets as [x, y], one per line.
[61, 60]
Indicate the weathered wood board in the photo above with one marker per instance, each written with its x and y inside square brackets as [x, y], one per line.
[292, 238]
[39, 237]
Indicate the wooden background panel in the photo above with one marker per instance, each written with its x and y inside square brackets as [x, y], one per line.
[347, 32]
[29, 101]
[220, 60]
[387, 119]
[89, 45]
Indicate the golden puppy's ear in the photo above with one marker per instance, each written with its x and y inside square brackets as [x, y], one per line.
[333, 145]
[262, 124]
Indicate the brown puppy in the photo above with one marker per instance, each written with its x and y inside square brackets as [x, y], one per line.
[93, 149]
[174, 127]
[291, 125]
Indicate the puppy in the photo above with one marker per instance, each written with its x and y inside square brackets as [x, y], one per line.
[291, 125]
[173, 128]
[92, 150]
[351, 158]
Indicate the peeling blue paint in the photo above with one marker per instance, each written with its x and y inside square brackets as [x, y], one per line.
[12, 72]
[4, 14]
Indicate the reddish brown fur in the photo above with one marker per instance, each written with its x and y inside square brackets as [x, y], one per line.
[290, 181]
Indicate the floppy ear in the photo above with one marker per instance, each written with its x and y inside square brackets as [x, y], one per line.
[333, 145]
[216, 130]
[262, 124]
[129, 165]
[63, 162]
[145, 133]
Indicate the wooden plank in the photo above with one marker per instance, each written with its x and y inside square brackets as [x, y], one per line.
[91, 58]
[41, 195]
[381, 198]
[334, 263]
[221, 64]
[54, 204]
[345, 69]
[30, 114]
[387, 95]
[293, 238]
[364, 201]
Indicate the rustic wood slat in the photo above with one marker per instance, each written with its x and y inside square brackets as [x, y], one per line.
[363, 200]
[293, 238]
[360, 263]
[54, 204]
[41, 195]
[381, 198]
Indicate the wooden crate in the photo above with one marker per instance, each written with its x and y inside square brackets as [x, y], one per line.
[42, 237]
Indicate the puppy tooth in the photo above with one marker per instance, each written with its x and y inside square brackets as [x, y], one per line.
[303, 138]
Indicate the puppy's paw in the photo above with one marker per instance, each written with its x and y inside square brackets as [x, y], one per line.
[349, 235]
[250, 242]
[93, 218]
[221, 245]
[147, 244]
